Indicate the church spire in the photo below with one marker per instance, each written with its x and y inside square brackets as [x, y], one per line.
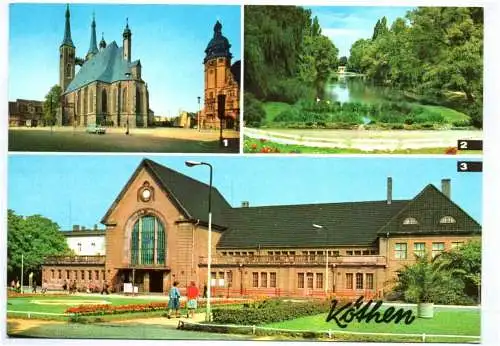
[67, 30]
[93, 41]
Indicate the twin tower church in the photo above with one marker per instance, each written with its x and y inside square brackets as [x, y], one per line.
[109, 90]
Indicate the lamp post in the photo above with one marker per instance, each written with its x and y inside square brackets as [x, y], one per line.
[326, 254]
[22, 272]
[199, 111]
[209, 262]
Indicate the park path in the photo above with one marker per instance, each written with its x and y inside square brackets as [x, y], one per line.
[366, 140]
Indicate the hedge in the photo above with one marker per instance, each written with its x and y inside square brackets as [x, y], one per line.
[270, 311]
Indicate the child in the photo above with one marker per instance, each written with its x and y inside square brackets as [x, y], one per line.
[174, 296]
[192, 295]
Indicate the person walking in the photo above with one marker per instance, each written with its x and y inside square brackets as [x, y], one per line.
[44, 286]
[174, 297]
[13, 285]
[192, 299]
[205, 289]
[34, 286]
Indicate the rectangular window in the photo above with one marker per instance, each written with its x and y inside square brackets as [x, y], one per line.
[97, 274]
[300, 280]
[437, 248]
[400, 250]
[67, 274]
[348, 281]
[359, 281]
[52, 274]
[263, 279]
[83, 274]
[419, 249]
[455, 244]
[369, 281]
[373, 252]
[357, 253]
[310, 280]
[319, 280]
[221, 275]
[272, 279]
[255, 279]
[335, 253]
[349, 252]
[366, 252]
[59, 274]
[90, 274]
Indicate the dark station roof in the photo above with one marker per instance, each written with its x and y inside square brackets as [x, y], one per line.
[341, 224]
[190, 196]
[353, 223]
[428, 208]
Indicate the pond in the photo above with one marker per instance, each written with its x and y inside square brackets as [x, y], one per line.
[357, 89]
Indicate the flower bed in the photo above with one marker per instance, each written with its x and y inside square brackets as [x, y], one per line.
[14, 294]
[106, 309]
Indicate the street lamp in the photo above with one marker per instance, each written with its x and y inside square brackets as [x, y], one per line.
[326, 253]
[209, 262]
[199, 111]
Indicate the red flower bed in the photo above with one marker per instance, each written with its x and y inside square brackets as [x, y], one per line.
[104, 309]
[451, 151]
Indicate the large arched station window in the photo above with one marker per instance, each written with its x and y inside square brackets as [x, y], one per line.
[148, 241]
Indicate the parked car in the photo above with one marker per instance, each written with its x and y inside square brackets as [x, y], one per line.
[100, 130]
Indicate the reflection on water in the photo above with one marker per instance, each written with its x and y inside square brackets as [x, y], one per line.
[356, 89]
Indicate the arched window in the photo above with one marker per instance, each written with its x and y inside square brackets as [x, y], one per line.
[68, 70]
[410, 221]
[124, 100]
[79, 102]
[91, 101]
[85, 101]
[148, 241]
[447, 219]
[104, 101]
[113, 101]
[138, 100]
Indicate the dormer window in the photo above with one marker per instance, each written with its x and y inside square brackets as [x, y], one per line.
[410, 221]
[447, 219]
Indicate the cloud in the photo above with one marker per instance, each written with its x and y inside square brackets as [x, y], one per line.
[336, 33]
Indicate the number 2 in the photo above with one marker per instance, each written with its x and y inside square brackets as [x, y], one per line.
[463, 145]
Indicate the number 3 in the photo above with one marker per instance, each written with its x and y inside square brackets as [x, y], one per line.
[463, 166]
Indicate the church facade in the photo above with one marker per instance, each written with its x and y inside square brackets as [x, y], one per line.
[108, 89]
[157, 233]
[221, 78]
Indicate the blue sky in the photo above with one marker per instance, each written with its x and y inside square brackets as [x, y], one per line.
[345, 25]
[170, 41]
[80, 189]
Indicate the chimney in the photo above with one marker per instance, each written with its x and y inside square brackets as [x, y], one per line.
[76, 227]
[389, 190]
[446, 187]
[245, 204]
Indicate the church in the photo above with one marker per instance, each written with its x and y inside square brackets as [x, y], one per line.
[156, 232]
[108, 89]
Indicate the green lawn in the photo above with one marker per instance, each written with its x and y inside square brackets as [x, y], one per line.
[450, 115]
[36, 303]
[445, 322]
[272, 109]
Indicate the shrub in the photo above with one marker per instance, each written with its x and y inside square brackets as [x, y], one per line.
[288, 90]
[254, 112]
[270, 311]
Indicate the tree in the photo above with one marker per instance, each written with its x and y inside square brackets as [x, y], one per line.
[467, 259]
[52, 104]
[33, 238]
[343, 61]
[429, 281]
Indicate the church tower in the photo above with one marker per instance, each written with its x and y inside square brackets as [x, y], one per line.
[217, 66]
[66, 56]
[127, 43]
[93, 42]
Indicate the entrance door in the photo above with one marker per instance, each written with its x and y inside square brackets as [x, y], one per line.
[156, 281]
